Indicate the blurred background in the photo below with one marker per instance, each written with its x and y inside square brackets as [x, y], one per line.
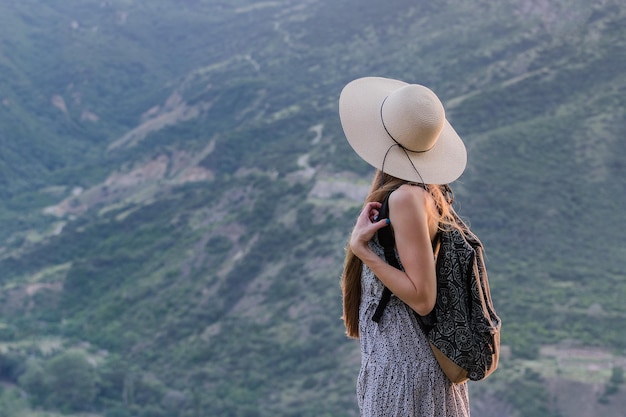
[176, 194]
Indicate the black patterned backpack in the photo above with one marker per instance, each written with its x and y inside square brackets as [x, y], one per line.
[463, 329]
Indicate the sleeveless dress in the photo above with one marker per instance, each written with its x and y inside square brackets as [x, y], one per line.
[399, 375]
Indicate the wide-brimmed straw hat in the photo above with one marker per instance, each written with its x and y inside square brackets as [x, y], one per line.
[402, 130]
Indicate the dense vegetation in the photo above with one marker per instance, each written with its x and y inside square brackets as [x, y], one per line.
[176, 194]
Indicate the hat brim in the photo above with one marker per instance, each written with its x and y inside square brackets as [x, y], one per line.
[359, 110]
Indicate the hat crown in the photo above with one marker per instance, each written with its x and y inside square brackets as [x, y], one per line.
[414, 117]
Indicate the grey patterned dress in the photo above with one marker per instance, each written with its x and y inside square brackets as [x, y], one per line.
[399, 375]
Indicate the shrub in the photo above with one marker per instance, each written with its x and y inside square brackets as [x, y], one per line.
[73, 382]
[35, 381]
[67, 382]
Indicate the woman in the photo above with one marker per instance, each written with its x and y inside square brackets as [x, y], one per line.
[401, 130]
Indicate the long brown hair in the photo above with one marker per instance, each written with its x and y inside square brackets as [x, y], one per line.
[382, 185]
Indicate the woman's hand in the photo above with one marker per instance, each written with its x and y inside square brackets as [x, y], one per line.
[366, 225]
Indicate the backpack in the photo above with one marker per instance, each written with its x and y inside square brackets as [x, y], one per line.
[463, 329]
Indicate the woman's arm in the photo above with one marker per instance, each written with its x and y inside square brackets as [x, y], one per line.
[417, 284]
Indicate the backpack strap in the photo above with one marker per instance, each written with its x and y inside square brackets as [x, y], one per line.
[387, 241]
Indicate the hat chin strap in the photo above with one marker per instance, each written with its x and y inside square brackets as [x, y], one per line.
[407, 157]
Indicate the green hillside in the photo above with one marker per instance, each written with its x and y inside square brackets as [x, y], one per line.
[177, 193]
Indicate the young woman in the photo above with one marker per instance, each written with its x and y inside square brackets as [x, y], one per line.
[401, 130]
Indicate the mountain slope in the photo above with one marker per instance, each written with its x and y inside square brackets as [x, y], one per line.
[186, 234]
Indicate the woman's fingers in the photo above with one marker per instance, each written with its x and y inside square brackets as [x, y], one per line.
[368, 222]
[371, 210]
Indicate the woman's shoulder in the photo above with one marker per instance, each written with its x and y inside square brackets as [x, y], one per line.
[410, 204]
[408, 194]
[409, 200]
